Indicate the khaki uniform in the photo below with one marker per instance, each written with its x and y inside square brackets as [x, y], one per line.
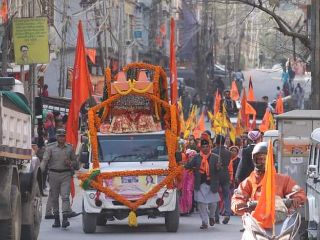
[61, 163]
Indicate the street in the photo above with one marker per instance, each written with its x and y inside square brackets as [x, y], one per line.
[147, 229]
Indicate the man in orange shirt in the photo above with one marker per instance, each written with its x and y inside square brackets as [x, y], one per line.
[250, 188]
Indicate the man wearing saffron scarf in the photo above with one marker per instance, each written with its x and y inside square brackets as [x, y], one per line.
[205, 167]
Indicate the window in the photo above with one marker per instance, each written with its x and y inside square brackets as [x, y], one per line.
[132, 148]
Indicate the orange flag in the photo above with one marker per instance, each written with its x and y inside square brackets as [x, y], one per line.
[265, 210]
[234, 91]
[91, 53]
[4, 11]
[200, 126]
[279, 105]
[250, 110]
[251, 97]
[243, 117]
[173, 66]
[217, 100]
[264, 126]
[81, 89]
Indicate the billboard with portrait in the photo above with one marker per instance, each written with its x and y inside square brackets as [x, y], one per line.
[30, 37]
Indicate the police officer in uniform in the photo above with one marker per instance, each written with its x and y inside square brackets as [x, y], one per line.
[61, 161]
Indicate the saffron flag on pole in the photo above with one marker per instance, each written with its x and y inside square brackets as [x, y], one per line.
[173, 66]
[234, 91]
[250, 97]
[217, 100]
[265, 210]
[81, 89]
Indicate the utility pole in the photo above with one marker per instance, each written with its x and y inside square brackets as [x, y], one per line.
[5, 52]
[63, 50]
[97, 14]
[315, 68]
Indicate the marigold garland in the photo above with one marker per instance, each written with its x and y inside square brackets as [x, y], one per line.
[95, 178]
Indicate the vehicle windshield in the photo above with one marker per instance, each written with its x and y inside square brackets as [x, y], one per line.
[132, 148]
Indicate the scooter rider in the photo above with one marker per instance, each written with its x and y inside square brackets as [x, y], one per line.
[250, 188]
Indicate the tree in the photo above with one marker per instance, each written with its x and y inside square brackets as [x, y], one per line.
[270, 7]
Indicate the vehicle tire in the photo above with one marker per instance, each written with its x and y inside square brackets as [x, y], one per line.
[172, 218]
[11, 229]
[89, 221]
[101, 220]
[31, 231]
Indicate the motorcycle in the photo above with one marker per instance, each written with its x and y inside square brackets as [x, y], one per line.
[286, 227]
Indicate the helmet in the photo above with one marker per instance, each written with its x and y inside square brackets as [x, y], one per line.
[254, 135]
[261, 147]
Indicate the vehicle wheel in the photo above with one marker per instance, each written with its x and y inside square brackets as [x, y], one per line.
[172, 218]
[101, 220]
[31, 231]
[89, 221]
[11, 229]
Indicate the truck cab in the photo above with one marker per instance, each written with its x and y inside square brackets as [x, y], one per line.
[122, 152]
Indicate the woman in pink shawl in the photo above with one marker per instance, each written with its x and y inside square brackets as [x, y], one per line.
[186, 198]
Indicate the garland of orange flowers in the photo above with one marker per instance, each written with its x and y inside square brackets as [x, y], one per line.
[95, 178]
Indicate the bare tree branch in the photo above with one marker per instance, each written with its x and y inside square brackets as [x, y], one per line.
[283, 26]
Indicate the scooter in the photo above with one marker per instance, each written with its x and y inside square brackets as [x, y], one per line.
[283, 230]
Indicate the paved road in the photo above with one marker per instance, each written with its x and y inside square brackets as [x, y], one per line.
[148, 229]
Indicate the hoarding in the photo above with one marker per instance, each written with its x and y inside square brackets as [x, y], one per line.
[30, 37]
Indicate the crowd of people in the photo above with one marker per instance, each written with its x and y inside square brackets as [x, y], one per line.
[215, 168]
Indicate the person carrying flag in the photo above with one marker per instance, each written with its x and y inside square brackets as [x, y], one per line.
[251, 188]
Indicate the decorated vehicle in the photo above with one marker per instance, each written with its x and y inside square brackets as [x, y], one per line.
[133, 139]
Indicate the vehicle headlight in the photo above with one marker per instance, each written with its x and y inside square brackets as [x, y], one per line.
[285, 237]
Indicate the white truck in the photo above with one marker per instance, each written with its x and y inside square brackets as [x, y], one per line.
[20, 175]
[123, 152]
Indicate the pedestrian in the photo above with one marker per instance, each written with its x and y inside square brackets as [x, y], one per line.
[186, 103]
[61, 162]
[197, 102]
[205, 168]
[298, 94]
[269, 106]
[44, 91]
[233, 165]
[261, 59]
[246, 166]
[285, 81]
[209, 105]
[187, 185]
[239, 77]
[223, 177]
[279, 93]
[49, 127]
[229, 104]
